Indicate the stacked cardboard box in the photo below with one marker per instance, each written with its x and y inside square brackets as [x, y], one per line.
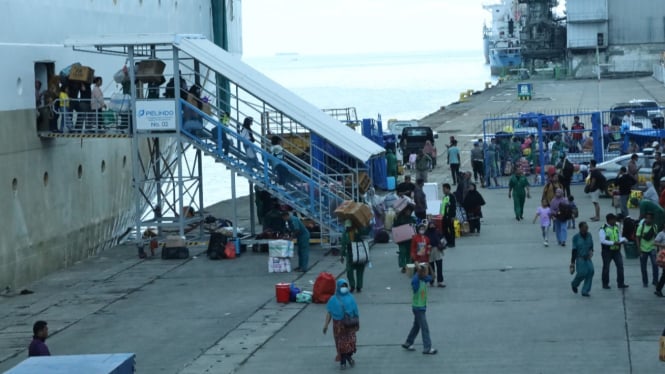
[360, 214]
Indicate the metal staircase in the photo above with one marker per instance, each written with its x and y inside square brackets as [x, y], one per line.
[212, 93]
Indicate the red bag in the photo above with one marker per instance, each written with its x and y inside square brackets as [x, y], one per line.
[230, 250]
[324, 288]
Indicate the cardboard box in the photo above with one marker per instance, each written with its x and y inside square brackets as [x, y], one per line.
[81, 73]
[174, 241]
[401, 203]
[364, 182]
[150, 71]
[403, 233]
[359, 214]
[280, 248]
[279, 265]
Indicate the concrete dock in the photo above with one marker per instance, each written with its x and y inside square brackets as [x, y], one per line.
[508, 307]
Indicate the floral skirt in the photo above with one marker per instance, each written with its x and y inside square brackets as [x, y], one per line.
[345, 338]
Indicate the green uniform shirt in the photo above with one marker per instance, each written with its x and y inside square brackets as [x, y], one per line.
[643, 230]
[583, 245]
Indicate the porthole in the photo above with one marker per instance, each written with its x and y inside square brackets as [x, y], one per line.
[103, 166]
[14, 184]
[45, 178]
[80, 171]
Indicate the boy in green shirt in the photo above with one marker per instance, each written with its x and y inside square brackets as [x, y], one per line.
[419, 284]
[646, 234]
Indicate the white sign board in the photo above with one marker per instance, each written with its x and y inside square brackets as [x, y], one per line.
[155, 115]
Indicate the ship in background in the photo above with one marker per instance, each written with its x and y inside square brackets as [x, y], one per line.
[503, 36]
[66, 199]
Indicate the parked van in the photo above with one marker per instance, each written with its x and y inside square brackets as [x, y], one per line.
[412, 140]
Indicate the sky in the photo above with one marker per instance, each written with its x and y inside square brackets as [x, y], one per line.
[360, 26]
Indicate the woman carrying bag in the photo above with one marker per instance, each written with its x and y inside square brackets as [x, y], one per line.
[354, 271]
[343, 311]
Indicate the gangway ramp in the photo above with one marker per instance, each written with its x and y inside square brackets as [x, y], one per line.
[170, 186]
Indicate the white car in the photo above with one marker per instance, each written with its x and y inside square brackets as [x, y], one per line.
[610, 169]
[396, 127]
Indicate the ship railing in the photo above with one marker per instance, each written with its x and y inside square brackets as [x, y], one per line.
[75, 116]
[306, 189]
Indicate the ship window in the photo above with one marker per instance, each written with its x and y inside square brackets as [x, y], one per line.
[45, 178]
[80, 171]
[19, 86]
[103, 166]
[124, 161]
[14, 184]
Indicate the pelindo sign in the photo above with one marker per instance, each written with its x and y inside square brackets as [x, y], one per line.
[155, 115]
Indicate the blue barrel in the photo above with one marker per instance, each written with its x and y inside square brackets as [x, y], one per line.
[390, 181]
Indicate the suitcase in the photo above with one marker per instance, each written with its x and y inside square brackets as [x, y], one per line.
[175, 253]
[216, 245]
[401, 203]
[403, 233]
[174, 241]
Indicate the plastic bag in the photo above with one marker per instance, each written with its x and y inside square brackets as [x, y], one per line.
[120, 102]
[304, 297]
[121, 75]
[230, 251]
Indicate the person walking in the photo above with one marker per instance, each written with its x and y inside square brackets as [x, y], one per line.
[624, 183]
[472, 204]
[633, 168]
[518, 190]
[355, 272]
[436, 254]
[550, 187]
[610, 241]
[420, 200]
[419, 307]
[404, 218]
[567, 170]
[478, 163]
[657, 170]
[645, 236]
[596, 186]
[423, 165]
[338, 306]
[561, 214]
[448, 211]
[544, 213]
[492, 164]
[297, 229]
[38, 345]
[580, 260]
[454, 160]
[247, 138]
[659, 242]
[430, 150]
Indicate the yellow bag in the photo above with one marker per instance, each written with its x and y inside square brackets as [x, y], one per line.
[661, 352]
[458, 228]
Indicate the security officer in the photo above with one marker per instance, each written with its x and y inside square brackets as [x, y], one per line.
[581, 259]
[448, 210]
[610, 241]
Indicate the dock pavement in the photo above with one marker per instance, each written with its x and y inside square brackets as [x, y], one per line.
[507, 307]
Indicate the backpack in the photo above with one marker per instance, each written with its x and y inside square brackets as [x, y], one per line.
[649, 234]
[575, 211]
[660, 258]
[565, 212]
[324, 287]
[629, 228]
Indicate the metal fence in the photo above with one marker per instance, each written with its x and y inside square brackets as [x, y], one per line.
[535, 142]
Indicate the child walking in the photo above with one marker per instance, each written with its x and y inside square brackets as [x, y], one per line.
[573, 208]
[419, 306]
[544, 213]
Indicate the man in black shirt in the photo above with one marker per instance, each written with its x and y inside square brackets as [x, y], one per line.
[625, 183]
[657, 170]
[406, 188]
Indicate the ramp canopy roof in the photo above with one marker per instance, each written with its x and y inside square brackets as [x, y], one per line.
[253, 81]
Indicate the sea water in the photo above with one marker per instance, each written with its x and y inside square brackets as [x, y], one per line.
[392, 85]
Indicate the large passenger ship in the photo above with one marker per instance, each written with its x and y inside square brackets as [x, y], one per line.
[69, 198]
[503, 37]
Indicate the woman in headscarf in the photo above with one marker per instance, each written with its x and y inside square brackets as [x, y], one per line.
[550, 187]
[429, 150]
[651, 194]
[436, 255]
[472, 204]
[339, 305]
[560, 225]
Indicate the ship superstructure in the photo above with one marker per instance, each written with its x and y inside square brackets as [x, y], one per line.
[504, 38]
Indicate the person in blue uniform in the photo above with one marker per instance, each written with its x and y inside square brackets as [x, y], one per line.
[580, 261]
[297, 229]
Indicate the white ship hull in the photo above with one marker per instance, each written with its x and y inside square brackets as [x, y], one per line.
[66, 199]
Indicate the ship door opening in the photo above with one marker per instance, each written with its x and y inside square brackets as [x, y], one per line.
[45, 90]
